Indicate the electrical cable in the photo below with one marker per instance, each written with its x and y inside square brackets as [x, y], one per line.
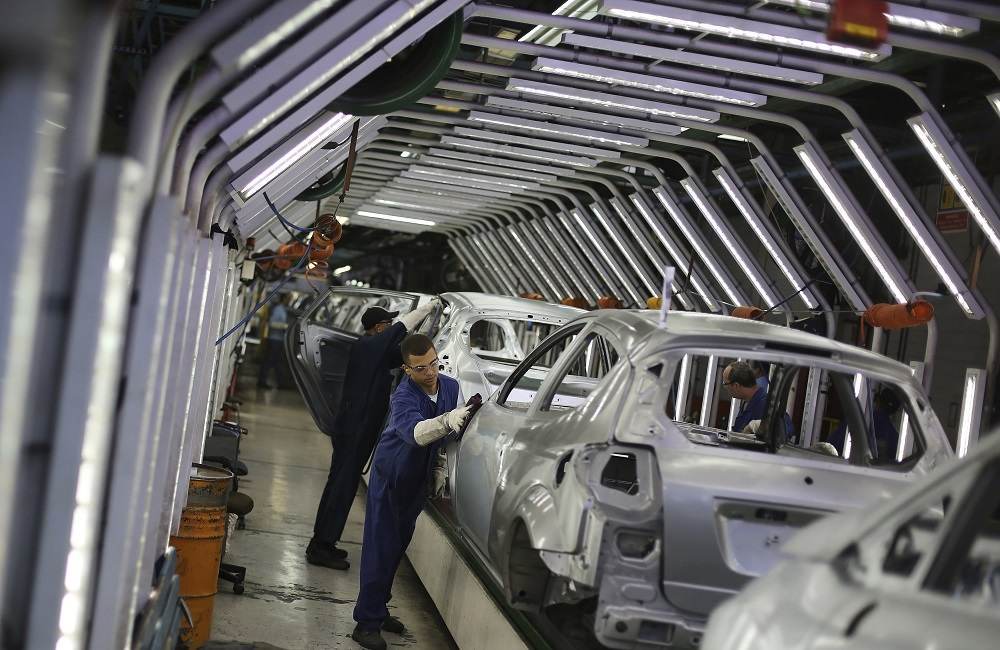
[285, 222]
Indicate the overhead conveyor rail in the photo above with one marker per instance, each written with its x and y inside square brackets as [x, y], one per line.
[573, 152]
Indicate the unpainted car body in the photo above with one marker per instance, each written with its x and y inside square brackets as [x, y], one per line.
[920, 572]
[318, 343]
[577, 487]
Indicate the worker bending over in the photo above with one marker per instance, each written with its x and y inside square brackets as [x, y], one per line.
[363, 406]
[423, 410]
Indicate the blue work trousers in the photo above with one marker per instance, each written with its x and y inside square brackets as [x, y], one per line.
[390, 518]
[350, 453]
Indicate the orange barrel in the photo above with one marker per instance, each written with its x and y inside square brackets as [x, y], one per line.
[199, 547]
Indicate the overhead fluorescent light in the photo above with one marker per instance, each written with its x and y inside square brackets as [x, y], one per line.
[610, 100]
[747, 265]
[970, 417]
[599, 247]
[803, 225]
[589, 135]
[444, 184]
[512, 166]
[465, 165]
[539, 143]
[859, 384]
[647, 82]
[641, 273]
[708, 392]
[734, 138]
[643, 125]
[994, 99]
[683, 57]
[756, 224]
[959, 177]
[519, 152]
[545, 35]
[731, 27]
[859, 231]
[474, 178]
[656, 260]
[904, 446]
[905, 16]
[913, 223]
[320, 134]
[708, 258]
[275, 34]
[414, 206]
[391, 217]
[406, 153]
[680, 260]
[341, 270]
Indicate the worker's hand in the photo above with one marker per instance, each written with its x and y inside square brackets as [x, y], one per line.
[455, 419]
[412, 319]
[752, 427]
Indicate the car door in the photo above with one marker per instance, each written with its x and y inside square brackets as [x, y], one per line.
[318, 344]
[475, 461]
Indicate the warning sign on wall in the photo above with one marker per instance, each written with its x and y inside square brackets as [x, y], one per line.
[951, 215]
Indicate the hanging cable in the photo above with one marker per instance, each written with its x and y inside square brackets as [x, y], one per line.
[285, 222]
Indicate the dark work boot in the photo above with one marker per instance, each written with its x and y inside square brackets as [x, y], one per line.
[371, 639]
[393, 624]
[324, 555]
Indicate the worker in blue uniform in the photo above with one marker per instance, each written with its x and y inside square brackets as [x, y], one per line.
[423, 411]
[742, 383]
[883, 437]
[360, 417]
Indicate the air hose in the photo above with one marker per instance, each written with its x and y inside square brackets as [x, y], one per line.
[328, 185]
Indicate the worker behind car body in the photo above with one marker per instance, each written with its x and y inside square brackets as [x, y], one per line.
[883, 437]
[423, 411]
[274, 354]
[742, 383]
[360, 417]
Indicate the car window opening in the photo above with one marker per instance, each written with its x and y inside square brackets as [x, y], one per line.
[620, 473]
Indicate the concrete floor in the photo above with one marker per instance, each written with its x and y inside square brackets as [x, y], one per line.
[289, 604]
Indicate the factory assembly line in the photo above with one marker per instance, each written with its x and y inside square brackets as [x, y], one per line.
[644, 323]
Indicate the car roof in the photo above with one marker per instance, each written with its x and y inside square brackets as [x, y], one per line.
[640, 331]
[487, 301]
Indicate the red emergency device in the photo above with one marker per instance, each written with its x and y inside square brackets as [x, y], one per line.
[859, 22]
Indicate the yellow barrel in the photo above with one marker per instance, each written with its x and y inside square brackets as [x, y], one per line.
[199, 547]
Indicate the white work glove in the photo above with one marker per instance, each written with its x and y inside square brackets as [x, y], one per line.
[411, 319]
[752, 427]
[432, 430]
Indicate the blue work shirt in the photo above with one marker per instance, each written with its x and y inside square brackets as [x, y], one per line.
[885, 438]
[278, 323]
[368, 381]
[753, 409]
[405, 464]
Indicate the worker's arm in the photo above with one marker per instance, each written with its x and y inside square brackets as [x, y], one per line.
[416, 430]
[412, 319]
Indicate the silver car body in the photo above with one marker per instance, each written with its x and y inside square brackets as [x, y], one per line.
[909, 574]
[318, 344]
[531, 490]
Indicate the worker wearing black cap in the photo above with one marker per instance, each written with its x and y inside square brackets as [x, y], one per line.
[363, 407]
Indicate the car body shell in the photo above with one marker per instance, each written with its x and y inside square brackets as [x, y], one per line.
[530, 479]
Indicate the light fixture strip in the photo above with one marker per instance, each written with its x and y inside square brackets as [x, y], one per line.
[753, 220]
[912, 222]
[583, 274]
[683, 57]
[852, 221]
[643, 125]
[708, 393]
[739, 28]
[310, 142]
[905, 443]
[681, 396]
[612, 264]
[859, 383]
[451, 163]
[679, 258]
[643, 244]
[518, 152]
[970, 416]
[948, 161]
[496, 192]
[392, 217]
[598, 98]
[512, 166]
[647, 82]
[557, 129]
[808, 233]
[994, 99]
[641, 273]
[538, 143]
[415, 206]
[506, 183]
[721, 230]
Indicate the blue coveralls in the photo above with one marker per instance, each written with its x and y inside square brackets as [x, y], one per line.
[363, 406]
[396, 493]
[753, 409]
